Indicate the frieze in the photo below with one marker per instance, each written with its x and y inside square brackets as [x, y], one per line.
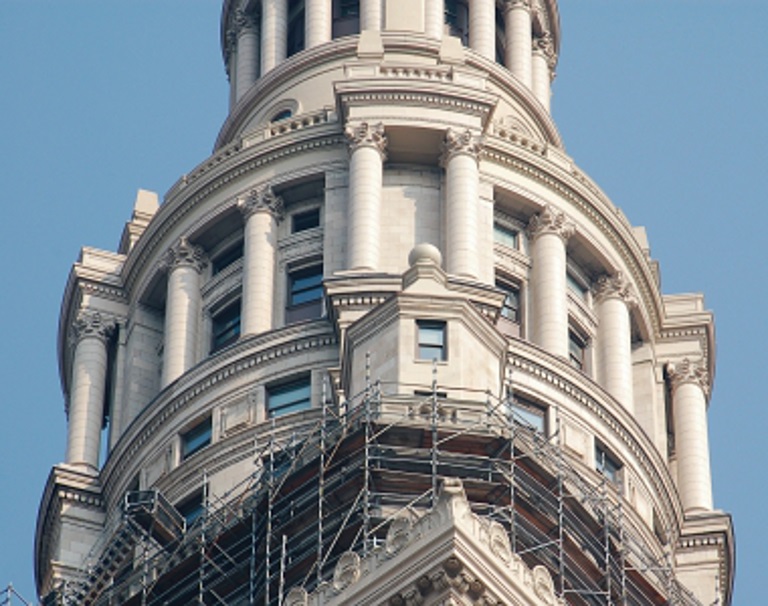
[435, 100]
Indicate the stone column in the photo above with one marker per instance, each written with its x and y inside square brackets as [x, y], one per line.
[542, 66]
[262, 211]
[246, 54]
[182, 310]
[367, 145]
[517, 23]
[274, 33]
[434, 18]
[690, 390]
[482, 27]
[612, 295]
[87, 393]
[549, 232]
[317, 22]
[462, 182]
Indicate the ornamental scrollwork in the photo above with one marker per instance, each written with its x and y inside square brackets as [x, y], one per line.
[512, 4]
[460, 142]
[367, 135]
[92, 324]
[550, 221]
[689, 371]
[261, 199]
[185, 254]
[613, 286]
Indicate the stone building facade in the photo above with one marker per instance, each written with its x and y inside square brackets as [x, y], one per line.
[388, 344]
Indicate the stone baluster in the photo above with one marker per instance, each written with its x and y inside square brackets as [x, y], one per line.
[549, 231]
[182, 309]
[367, 146]
[262, 210]
[519, 39]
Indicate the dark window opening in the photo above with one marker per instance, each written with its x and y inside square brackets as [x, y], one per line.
[226, 327]
[295, 27]
[577, 350]
[506, 236]
[607, 464]
[305, 294]
[346, 18]
[282, 115]
[306, 220]
[529, 415]
[431, 340]
[457, 20]
[191, 508]
[227, 258]
[289, 397]
[197, 438]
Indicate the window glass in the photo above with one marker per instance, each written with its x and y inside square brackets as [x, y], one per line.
[306, 220]
[607, 464]
[510, 308]
[289, 397]
[306, 285]
[506, 236]
[191, 508]
[282, 115]
[457, 19]
[295, 26]
[577, 347]
[431, 340]
[576, 285]
[225, 327]
[227, 258]
[528, 415]
[196, 438]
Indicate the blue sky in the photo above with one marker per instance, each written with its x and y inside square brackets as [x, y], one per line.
[661, 102]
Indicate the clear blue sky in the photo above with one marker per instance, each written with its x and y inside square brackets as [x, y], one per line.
[661, 102]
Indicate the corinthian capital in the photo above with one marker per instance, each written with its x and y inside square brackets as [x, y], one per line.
[613, 287]
[185, 254]
[261, 199]
[456, 143]
[243, 21]
[367, 135]
[92, 324]
[550, 221]
[689, 371]
[512, 4]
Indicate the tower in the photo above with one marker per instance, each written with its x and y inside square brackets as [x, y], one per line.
[387, 344]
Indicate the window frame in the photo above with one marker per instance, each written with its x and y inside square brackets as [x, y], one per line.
[577, 340]
[200, 435]
[303, 215]
[306, 308]
[603, 454]
[522, 410]
[426, 328]
[507, 236]
[298, 386]
[226, 326]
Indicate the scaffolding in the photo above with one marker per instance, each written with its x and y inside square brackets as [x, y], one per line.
[319, 491]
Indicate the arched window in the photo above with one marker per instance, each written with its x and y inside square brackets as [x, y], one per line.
[282, 115]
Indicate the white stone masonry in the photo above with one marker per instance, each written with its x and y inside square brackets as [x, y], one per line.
[612, 295]
[317, 22]
[182, 309]
[274, 33]
[262, 211]
[549, 231]
[462, 183]
[517, 23]
[86, 402]
[246, 55]
[367, 145]
[542, 64]
[690, 389]
[482, 27]
[434, 18]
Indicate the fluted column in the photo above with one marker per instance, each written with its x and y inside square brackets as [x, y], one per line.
[246, 54]
[542, 66]
[613, 298]
[462, 182]
[262, 211]
[367, 145]
[517, 23]
[317, 22]
[482, 27]
[690, 390]
[182, 309]
[86, 401]
[549, 232]
[434, 18]
[274, 33]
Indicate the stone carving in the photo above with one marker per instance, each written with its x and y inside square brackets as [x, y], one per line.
[367, 135]
[261, 199]
[297, 596]
[185, 254]
[456, 143]
[550, 221]
[398, 535]
[613, 286]
[543, 585]
[347, 571]
[92, 324]
[498, 541]
[512, 4]
[244, 21]
[689, 371]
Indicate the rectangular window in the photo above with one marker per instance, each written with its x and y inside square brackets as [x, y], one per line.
[575, 285]
[432, 341]
[577, 350]
[197, 438]
[225, 327]
[529, 415]
[227, 258]
[191, 508]
[607, 464]
[306, 220]
[305, 294]
[506, 236]
[290, 397]
[510, 308]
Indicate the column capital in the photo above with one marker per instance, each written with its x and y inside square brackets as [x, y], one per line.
[550, 221]
[513, 4]
[185, 254]
[367, 135]
[614, 286]
[92, 324]
[261, 199]
[689, 371]
[456, 143]
[244, 21]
